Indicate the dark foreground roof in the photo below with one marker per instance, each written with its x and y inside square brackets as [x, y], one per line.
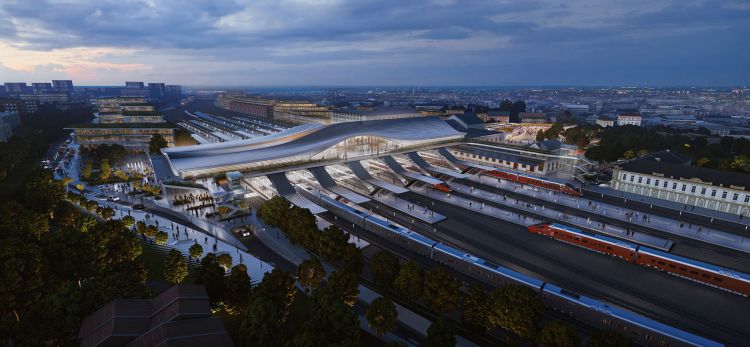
[180, 316]
[713, 177]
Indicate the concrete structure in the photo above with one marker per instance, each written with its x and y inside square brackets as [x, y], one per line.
[8, 121]
[180, 316]
[312, 145]
[661, 176]
[369, 114]
[629, 119]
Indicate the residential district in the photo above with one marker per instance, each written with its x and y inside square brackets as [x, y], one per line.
[151, 215]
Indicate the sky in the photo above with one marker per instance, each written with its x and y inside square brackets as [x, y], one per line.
[377, 42]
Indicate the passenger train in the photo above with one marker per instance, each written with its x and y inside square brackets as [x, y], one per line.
[639, 329]
[534, 181]
[712, 275]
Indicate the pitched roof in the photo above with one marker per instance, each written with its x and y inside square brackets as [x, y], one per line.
[725, 179]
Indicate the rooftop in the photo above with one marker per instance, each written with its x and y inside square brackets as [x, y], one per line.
[726, 179]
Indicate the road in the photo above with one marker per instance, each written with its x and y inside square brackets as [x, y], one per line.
[688, 305]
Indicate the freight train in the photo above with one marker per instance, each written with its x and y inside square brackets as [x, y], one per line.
[639, 329]
[565, 188]
[712, 275]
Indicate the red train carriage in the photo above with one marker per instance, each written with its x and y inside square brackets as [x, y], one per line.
[442, 187]
[732, 281]
[594, 242]
[537, 182]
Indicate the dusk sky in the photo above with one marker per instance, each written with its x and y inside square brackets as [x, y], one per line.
[332, 42]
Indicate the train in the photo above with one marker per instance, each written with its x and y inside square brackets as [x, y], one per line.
[565, 188]
[729, 280]
[638, 328]
[443, 187]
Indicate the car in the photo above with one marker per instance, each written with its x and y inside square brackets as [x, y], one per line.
[139, 207]
[245, 233]
[113, 198]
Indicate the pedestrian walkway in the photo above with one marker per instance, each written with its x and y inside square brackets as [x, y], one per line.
[182, 237]
[652, 221]
[419, 212]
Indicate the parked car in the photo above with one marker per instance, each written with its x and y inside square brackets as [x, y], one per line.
[113, 198]
[139, 207]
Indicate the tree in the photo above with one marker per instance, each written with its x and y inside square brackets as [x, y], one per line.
[225, 260]
[237, 289]
[642, 152]
[105, 170]
[540, 135]
[441, 290]
[605, 338]
[87, 169]
[106, 212]
[475, 309]
[332, 321]
[260, 325]
[558, 334]
[274, 211]
[310, 273]
[175, 267]
[156, 143]
[352, 260]
[195, 251]
[410, 281]
[278, 285]
[382, 315]
[332, 243]
[161, 238]
[345, 284]
[440, 334]
[384, 267]
[703, 162]
[629, 154]
[128, 221]
[210, 274]
[516, 309]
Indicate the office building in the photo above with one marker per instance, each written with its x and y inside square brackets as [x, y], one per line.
[16, 88]
[126, 110]
[41, 88]
[157, 90]
[63, 86]
[629, 118]
[668, 176]
[23, 107]
[296, 111]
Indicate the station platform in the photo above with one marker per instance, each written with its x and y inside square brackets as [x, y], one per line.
[365, 176]
[398, 169]
[286, 189]
[326, 181]
[424, 214]
[417, 159]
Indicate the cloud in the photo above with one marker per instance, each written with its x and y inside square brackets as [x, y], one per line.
[369, 41]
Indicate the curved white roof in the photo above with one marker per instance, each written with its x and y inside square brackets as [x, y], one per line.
[307, 139]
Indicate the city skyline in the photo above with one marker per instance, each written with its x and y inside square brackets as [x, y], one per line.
[330, 43]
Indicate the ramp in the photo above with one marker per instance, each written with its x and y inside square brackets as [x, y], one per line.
[285, 189]
[451, 158]
[417, 159]
[325, 180]
[365, 176]
[397, 168]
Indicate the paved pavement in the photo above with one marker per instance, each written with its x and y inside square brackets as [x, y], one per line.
[664, 224]
[420, 212]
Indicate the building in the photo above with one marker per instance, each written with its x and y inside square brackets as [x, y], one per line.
[23, 107]
[157, 90]
[252, 106]
[605, 122]
[369, 113]
[295, 111]
[134, 89]
[41, 88]
[576, 109]
[126, 121]
[629, 118]
[8, 121]
[173, 91]
[46, 98]
[180, 316]
[532, 118]
[134, 85]
[63, 86]
[664, 175]
[16, 88]
[312, 144]
[499, 116]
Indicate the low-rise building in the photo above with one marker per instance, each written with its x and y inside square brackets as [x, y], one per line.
[499, 116]
[604, 121]
[370, 113]
[532, 118]
[629, 118]
[663, 175]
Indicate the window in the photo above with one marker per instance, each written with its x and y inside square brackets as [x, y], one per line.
[640, 179]
[624, 176]
[703, 191]
[723, 195]
[674, 186]
[656, 183]
[684, 186]
[648, 181]
[665, 184]
[713, 193]
[632, 177]
[735, 197]
[747, 198]
[692, 190]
